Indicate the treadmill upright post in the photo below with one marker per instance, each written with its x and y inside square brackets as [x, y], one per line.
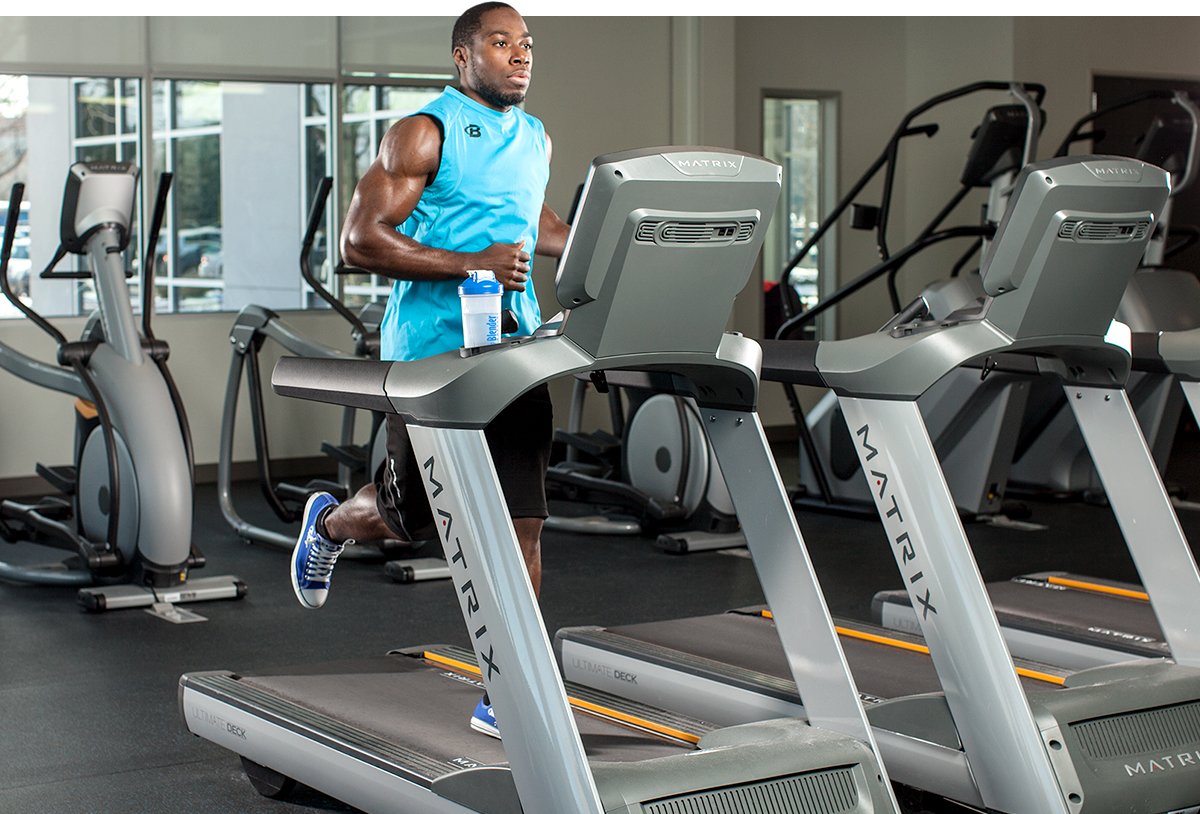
[1143, 510]
[541, 741]
[1008, 759]
[785, 570]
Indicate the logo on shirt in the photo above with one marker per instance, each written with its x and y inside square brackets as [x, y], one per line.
[473, 130]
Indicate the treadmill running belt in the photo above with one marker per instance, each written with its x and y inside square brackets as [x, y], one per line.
[1088, 616]
[880, 671]
[426, 710]
[1052, 605]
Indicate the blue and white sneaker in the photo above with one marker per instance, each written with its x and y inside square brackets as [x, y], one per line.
[314, 556]
[484, 720]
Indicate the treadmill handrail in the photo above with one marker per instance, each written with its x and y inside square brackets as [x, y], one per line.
[349, 382]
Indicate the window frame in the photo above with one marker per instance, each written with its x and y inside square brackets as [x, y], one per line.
[779, 248]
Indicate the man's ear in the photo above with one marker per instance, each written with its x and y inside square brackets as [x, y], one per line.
[460, 56]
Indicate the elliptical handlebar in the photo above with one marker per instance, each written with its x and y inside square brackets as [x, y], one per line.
[150, 259]
[10, 231]
[10, 234]
[315, 215]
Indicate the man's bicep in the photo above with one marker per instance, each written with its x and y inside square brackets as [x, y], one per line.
[384, 197]
[408, 158]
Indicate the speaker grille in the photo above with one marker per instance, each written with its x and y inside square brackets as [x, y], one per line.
[828, 792]
[1137, 733]
[692, 233]
[1101, 231]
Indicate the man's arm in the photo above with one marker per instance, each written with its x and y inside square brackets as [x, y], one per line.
[552, 231]
[388, 193]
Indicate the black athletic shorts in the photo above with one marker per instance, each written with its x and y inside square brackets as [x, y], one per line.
[519, 439]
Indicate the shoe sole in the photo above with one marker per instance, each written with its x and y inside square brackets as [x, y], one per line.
[485, 728]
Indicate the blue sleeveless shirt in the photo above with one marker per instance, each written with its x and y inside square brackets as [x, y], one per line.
[489, 189]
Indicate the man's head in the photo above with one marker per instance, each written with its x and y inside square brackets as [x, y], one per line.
[493, 51]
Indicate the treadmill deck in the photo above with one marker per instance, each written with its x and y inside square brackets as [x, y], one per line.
[356, 703]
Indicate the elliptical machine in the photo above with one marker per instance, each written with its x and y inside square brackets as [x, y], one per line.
[251, 329]
[124, 509]
[654, 474]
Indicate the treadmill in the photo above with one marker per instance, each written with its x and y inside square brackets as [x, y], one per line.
[1075, 620]
[654, 225]
[1117, 738]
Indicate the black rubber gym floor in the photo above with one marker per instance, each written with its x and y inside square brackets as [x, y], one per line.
[88, 712]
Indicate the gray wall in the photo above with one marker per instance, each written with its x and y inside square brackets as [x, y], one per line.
[603, 84]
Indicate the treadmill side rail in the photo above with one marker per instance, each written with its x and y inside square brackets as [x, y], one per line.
[994, 721]
[1144, 512]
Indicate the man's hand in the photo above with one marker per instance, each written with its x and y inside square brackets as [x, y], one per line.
[508, 261]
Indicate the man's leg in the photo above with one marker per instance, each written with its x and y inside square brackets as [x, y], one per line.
[529, 535]
[357, 519]
[393, 507]
[520, 439]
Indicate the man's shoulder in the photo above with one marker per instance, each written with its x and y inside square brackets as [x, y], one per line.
[415, 141]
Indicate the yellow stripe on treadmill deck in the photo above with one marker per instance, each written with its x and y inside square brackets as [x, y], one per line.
[1098, 589]
[887, 641]
[580, 704]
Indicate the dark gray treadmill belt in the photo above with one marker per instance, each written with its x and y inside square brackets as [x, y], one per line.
[750, 642]
[422, 708]
[1104, 620]
[1086, 616]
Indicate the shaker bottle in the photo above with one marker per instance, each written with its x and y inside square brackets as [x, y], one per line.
[480, 298]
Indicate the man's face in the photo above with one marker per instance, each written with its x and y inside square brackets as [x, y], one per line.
[497, 67]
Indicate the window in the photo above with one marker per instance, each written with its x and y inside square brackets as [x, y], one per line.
[798, 134]
[14, 104]
[188, 128]
[318, 164]
[247, 158]
[45, 124]
[368, 112]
